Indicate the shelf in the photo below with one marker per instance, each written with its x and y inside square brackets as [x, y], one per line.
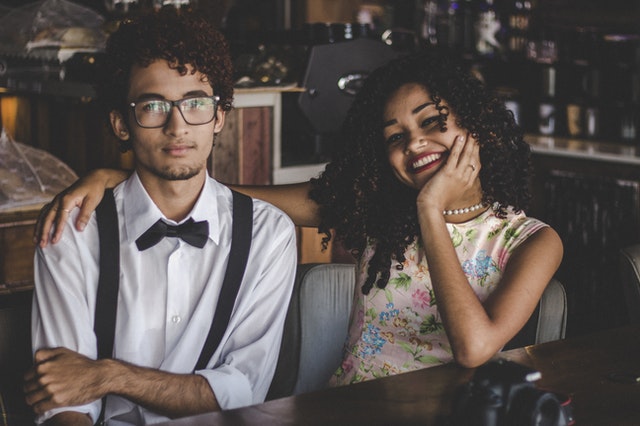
[584, 149]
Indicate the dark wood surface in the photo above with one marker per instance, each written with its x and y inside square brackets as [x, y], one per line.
[17, 250]
[577, 367]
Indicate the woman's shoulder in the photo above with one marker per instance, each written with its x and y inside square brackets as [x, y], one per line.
[512, 218]
[510, 228]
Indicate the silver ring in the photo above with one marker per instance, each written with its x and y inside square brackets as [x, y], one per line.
[66, 211]
[473, 167]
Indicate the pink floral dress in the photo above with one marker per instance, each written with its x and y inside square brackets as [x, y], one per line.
[398, 328]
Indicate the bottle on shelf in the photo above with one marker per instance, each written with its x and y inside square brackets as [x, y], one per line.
[454, 25]
[518, 25]
[546, 111]
[548, 108]
[622, 87]
[428, 29]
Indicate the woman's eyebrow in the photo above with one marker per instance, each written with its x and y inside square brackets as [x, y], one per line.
[413, 111]
[389, 123]
[421, 107]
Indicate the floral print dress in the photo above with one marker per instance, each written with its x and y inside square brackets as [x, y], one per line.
[398, 328]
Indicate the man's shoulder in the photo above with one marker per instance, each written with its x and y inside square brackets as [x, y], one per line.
[263, 210]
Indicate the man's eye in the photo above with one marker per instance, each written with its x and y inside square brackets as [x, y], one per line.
[154, 107]
[198, 103]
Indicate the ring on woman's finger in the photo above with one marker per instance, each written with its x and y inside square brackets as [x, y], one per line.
[69, 211]
[473, 167]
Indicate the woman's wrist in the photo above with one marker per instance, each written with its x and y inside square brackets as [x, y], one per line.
[109, 177]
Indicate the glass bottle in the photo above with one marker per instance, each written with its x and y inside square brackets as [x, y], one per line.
[518, 24]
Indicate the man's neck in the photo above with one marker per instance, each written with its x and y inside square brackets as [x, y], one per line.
[174, 198]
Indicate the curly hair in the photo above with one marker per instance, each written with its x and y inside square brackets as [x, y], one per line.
[359, 195]
[180, 38]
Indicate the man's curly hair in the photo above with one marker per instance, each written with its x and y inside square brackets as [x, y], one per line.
[359, 195]
[180, 38]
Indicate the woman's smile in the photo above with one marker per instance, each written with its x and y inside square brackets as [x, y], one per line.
[425, 161]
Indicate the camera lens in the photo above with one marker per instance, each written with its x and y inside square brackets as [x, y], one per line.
[531, 406]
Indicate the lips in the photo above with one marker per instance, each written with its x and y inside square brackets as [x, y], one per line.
[177, 149]
[425, 162]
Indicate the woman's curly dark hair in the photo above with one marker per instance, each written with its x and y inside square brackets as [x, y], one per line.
[359, 195]
[180, 38]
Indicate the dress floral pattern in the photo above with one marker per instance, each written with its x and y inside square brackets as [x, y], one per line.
[398, 328]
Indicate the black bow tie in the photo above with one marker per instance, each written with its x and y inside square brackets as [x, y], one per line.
[194, 233]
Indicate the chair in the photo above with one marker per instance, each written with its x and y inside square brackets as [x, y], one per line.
[630, 278]
[315, 328]
[548, 322]
[318, 318]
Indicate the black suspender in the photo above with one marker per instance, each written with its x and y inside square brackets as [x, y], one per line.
[241, 231]
[109, 280]
[104, 324]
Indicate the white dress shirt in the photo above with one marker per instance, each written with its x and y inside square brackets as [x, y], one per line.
[168, 295]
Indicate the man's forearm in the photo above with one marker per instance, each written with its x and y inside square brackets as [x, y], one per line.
[167, 394]
[70, 418]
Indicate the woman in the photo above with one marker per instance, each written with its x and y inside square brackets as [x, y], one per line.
[428, 193]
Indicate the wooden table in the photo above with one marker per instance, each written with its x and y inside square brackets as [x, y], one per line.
[578, 367]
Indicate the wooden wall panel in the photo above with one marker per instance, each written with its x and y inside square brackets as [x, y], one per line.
[255, 150]
[242, 153]
[224, 158]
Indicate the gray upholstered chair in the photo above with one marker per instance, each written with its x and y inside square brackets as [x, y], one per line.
[548, 322]
[318, 317]
[315, 329]
[630, 278]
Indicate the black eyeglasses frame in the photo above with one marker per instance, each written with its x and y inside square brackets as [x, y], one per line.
[176, 104]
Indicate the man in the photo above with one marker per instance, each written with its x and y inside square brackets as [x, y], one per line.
[167, 86]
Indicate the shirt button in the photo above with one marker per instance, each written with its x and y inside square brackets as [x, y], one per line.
[175, 319]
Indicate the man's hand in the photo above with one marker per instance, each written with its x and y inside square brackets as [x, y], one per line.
[62, 378]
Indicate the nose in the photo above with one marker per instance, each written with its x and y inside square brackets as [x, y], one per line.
[416, 142]
[176, 124]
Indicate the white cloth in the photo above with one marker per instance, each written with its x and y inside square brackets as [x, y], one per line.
[168, 295]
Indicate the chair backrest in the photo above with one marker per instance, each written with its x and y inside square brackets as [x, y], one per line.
[548, 322]
[552, 320]
[318, 319]
[315, 329]
[630, 278]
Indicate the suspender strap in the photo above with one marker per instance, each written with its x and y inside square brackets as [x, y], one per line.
[104, 325]
[241, 232]
[109, 280]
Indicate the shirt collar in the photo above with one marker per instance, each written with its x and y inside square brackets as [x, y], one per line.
[140, 212]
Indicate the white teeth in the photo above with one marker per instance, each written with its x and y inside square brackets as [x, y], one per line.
[426, 160]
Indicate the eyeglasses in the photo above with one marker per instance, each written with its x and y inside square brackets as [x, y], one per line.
[154, 113]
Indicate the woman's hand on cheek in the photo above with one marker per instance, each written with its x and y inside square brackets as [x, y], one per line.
[455, 182]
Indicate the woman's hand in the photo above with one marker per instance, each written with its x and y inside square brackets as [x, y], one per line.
[86, 193]
[456, 184]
